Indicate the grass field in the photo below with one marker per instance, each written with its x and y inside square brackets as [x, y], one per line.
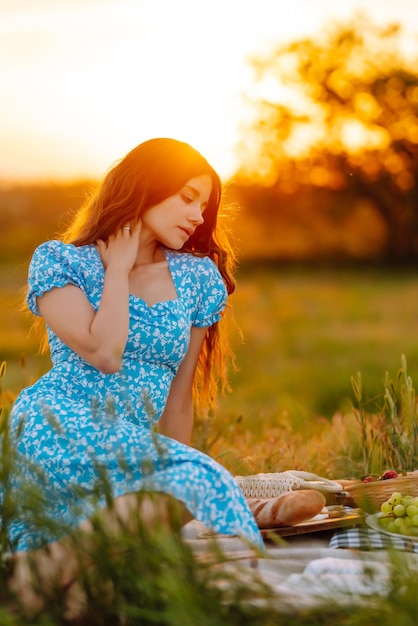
[306, 332]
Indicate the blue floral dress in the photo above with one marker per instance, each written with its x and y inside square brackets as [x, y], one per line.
[82, 436]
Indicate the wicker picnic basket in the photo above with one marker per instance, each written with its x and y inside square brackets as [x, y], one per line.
[370, 496]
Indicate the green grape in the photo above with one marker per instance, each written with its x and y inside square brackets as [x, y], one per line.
[399, 510]
[395, 498]
[386, 507]
[400, 514]
[412, 510]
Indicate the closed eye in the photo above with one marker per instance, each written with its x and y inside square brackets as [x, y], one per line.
[190, 194]
[187, 199]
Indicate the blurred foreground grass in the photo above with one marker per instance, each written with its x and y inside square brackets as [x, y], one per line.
[154, 578]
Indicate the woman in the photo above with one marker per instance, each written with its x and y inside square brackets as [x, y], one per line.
[131, 296]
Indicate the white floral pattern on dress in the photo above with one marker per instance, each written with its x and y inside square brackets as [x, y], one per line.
[78, 431]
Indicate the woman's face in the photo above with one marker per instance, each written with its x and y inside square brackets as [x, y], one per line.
[175, 219]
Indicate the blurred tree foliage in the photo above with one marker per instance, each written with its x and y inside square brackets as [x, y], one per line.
[332, 156]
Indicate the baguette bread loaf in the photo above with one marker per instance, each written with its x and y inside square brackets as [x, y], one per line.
[288, 509]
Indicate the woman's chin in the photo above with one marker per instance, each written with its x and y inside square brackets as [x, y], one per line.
[176, 245]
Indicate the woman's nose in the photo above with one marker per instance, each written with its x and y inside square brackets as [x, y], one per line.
[196, 216]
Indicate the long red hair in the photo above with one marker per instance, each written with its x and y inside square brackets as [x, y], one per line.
[147, 175]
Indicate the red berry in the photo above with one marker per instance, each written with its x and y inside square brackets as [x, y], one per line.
[388, 474]
[369, 479]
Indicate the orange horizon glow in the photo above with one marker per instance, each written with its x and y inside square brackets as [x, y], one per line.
[84, 81]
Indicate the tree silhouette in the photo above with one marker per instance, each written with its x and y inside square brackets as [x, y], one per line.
[340, 112]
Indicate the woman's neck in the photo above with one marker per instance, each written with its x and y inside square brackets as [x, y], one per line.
[148, 253]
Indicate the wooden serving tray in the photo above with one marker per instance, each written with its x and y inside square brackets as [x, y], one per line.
[352, 518]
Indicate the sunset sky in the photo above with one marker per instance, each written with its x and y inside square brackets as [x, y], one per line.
[84, 81]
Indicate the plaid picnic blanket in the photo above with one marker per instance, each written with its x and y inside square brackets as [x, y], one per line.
[368, 539]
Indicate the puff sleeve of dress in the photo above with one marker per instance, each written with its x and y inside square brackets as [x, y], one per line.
[53, 264]
[212, 294]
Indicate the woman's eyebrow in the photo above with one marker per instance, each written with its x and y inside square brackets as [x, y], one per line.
[193, 189]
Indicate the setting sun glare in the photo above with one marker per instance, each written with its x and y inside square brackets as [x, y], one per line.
[83, 81]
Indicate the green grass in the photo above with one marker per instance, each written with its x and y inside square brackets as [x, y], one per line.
[18, 345]
[306, 333]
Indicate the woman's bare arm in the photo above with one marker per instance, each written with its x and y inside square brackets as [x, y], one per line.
[177, 419]
[98, 337]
